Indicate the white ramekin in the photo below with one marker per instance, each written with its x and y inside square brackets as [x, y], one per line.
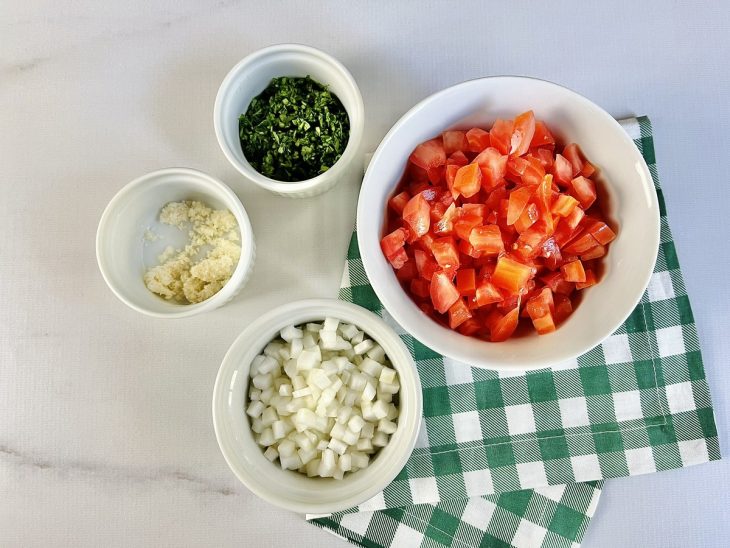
[252, 75]
[290, 489]
[120, 238]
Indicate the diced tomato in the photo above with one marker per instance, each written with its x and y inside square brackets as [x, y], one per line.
[542, 136]
[466, 281]
[511, 275]
[500, 136]
[445, 253]
[503, 328]
[588, 169]
[465, 224]
[523, 133]
[562, 170]
[487, 293]
[399, 201]
[600, 231]
[487, 239]
[443, 292]
[583, 244]
[454, 141]
[458, 314]
[573, 155]
[527, 219]
[573, 272]
[478, 139]
[420, 287]
[584, 190]
[417, 213]
[563, 308]
[446, 223]
[493, 165]
[468, 180]
[398, 259]
[425, 264]
[590, 279]
[595, 253]
[517, 202]
[429, 154]
[457, 158]
[393, 242]
[498, 238]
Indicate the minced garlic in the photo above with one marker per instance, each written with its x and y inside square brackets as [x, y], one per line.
[182, 275]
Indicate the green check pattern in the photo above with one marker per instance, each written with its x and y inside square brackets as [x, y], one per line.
[518, 459]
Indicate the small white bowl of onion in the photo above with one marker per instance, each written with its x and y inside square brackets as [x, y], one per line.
[317, 406]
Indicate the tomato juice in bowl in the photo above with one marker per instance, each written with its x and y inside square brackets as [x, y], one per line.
[630, 202]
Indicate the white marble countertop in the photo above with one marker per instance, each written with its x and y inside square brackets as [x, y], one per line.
[105, 428]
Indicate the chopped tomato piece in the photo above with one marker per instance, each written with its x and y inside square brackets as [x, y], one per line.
[468, 180]
[399, 201]
[523, 133]
[584, 190]
[454, 141]
[458, 158]
[420, 288]
[564, 205]
[517, 202]
[487, 293]
[399, 258]
[573, 155]
[541, 304]
[465, 223]
[590, 279]
[435, 174]
[446, 223]
[425, 264]
[478, 139]
[595, 253]
[511, 275]
[600, 231]
[544, 324]
[417, 213]
[528, 243]
[487, 239]
[466, 281]
[503, 328]
[493, 165]
[445, 253]
[450, 176]
[458, 314]
[527, 219]
[443, 292]
[573, 272]
[407, 272]
[588, 169]
[562, 169]
[394, 241]
[500, 136]
[563, 308]
[429, 154]
[542, 136]
[585, 243]
[545, 156]
[550, 251]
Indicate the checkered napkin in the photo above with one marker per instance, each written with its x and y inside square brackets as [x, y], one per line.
[499, 456]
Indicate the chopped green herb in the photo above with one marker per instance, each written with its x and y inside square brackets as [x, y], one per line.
[294, 130]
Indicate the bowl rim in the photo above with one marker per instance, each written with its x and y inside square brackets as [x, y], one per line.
[350, 313]
[244, 226]
[393, 307]
[356, 128]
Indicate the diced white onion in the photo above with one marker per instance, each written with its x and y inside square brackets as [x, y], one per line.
[320, 399]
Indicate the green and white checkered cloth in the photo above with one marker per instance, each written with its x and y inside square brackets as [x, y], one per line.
[499, 456]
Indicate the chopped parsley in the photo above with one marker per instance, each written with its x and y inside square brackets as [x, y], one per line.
[294, 130]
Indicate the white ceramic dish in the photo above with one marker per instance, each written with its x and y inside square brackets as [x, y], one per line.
[572, 117]
[252, 75]
[290, 489]
[124, 254]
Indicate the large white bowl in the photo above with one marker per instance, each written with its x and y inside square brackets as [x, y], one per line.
[124, 254]
[290, 489]
[252, 75]
[631, 197]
